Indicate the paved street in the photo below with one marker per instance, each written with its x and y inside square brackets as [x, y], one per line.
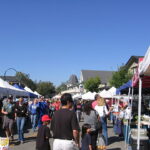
[116, 143]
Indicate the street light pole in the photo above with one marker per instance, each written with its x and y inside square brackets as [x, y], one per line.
[8, 70]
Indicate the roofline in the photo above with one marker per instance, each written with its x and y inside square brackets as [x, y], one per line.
[128, 62]
[98, 70]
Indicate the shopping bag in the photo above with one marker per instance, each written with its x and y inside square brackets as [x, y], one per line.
[4, 143]
[101, 144]
[98, 125]
[118, 127]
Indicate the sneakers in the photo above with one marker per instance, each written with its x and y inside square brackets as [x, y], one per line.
[20, 142]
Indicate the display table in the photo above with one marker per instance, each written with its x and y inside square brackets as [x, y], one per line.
[145, 123]
[144, 143]
[148, 108]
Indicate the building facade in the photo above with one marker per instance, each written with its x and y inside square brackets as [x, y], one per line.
[104, 76]
[132, 63]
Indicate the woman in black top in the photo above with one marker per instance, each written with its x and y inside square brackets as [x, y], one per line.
[90, 117]
[20, 114]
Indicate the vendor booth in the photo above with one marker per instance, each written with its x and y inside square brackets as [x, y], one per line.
[7, 89]
[89, 96]
[124, 87]
[142, 80]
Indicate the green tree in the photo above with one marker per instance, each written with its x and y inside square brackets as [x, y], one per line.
[61, 87]
[120, 77]
[46, 89]
[26, 81]
[92, 84]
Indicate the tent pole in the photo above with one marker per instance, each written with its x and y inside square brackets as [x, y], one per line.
[139, 112]
[132, 99]
[131, 112]
[129, 93]
[126, 140]
[131, 104]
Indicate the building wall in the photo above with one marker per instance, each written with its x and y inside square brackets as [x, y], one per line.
[133, 68]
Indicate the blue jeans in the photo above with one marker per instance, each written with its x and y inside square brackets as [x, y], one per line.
[114, 124]
[118, 127]
[111, 116]
[104, 128]
[126, 130]
[34, 121]
[20, 126]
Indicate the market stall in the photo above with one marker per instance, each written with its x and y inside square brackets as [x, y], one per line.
[142, 79]
[8, 89]
[89, 96]
[31, 93]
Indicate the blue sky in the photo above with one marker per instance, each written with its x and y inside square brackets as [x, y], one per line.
[52, 39]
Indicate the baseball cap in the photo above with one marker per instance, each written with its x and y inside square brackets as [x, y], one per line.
[45, 118]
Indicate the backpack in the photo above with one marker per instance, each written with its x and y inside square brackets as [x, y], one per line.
[98, 125]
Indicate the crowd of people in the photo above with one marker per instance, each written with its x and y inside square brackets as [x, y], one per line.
[20, 112]
[59, 119]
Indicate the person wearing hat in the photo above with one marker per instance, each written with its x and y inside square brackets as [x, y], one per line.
[9, 116]
[42, 140]
[65, 126]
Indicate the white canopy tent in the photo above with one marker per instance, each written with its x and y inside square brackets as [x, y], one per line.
[28, 90]
[105, 94]
[9, 89]
[36, 93]
[3, 92]
[89, 96]
[17, 92]
[144, 66]
[102, 92]
[77, 96]
[144, 69]
[72, 91]
[112, 91]
[3, 89]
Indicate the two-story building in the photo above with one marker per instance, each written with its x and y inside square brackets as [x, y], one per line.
[132, 63]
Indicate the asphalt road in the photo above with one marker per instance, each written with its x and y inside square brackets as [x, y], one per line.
[115, 142]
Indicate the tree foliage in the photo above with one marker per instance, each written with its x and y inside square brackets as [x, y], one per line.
[61, 87]
[120, 77]
[92, 84]
[46, 89]
[26, 81]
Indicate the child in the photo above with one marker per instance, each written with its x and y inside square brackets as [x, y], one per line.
[42, 140]
[86, 138]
